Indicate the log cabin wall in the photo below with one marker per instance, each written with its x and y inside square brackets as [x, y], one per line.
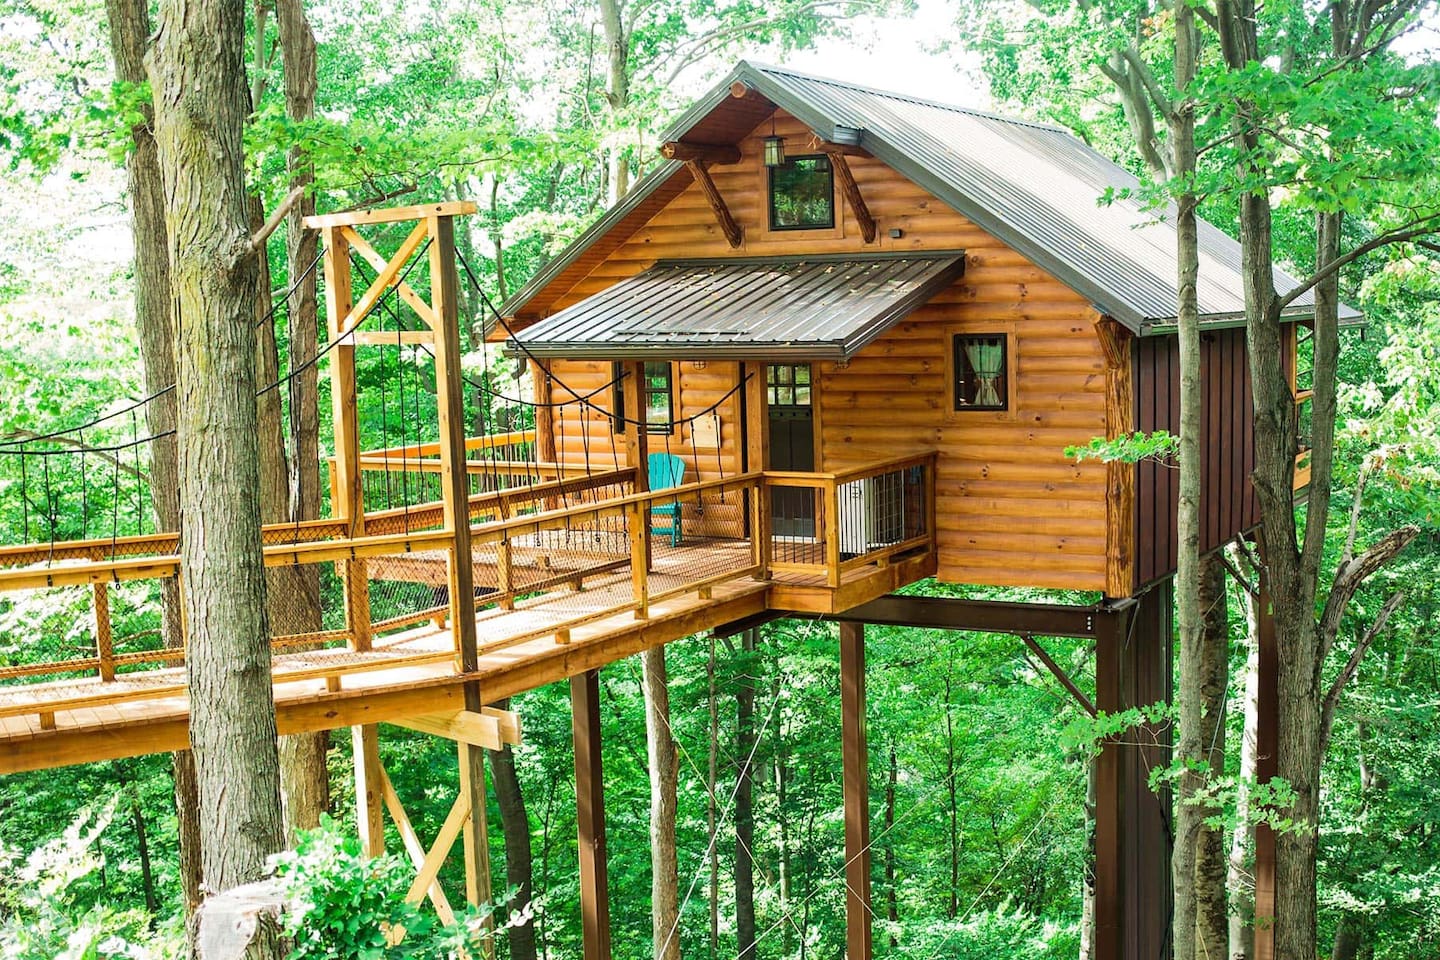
[1013, 510]
[1228, 505]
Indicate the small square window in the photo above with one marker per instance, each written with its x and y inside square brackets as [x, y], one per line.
[788, 384]
[802, 194]
[982, 372]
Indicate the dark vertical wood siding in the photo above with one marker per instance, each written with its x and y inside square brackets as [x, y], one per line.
[1227, 449]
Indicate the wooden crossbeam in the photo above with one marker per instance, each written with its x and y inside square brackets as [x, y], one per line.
[387, 276]
[490, 728]
[389, 338]
[452, 208]
[851, 189]
[728, 226]
[722, 153]
[414, 848]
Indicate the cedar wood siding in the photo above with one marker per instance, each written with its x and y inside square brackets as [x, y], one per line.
[1228, 504]
[1012, 509]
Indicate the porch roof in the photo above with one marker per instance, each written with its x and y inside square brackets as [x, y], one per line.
[811, 307]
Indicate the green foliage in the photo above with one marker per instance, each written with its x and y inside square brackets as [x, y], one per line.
[1003, 931]
[1161, 446]
[345, 906]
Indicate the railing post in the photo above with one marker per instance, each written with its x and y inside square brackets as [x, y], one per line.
[505, 573]
[104, 648]
[760, 528]
[639, 560]
[830, 505]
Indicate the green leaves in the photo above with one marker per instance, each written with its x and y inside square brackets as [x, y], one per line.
[1161, 446]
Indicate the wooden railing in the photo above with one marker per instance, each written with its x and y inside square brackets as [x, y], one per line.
[594, 531]
[828, 523]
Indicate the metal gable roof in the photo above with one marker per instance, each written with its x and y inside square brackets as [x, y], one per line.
[816, 307]
[1036, 188]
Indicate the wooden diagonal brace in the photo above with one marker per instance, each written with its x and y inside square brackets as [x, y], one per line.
[389, 270]
[414, 848]
[449, 833]
[851, 189]
[728, 226]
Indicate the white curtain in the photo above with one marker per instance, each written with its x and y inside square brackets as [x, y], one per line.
[987, 359]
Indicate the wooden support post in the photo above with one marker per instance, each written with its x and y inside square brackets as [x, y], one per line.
[104, 643]
[640, 560]
[733, 234]
[590, 815]
[505, 574]
[851, 189]
[455, 492]
[1134, 656]
[347, 491]
[369, 789]
[637, 451]
[828, 518]
[755, 453]
[856, 763]
[760, 529]
[1111, 633]
[1267, 739]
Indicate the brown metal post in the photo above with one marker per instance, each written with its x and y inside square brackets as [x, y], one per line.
[1111, 629]
[1267, 735]
[590, 814]
[856, 765]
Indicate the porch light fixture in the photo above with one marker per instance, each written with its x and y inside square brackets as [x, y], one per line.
[774, 147]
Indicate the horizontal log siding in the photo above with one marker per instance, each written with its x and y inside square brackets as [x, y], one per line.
[1228, 505]
[1013, 510]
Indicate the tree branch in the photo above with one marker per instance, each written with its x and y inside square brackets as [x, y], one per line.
[1417, 228]
[257, 242]
[114, 461]
[1354, 572]
[1332, 697]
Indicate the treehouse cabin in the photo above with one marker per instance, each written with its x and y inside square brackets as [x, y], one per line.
[822, 279]
[836, 342]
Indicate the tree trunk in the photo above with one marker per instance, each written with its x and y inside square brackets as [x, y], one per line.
[1238, 879]
[664, 777]
[744, 812]
[617, 94]
[1087, 903]
[197, 75]
[1189, 750]
[129, 33]
[712, 806]
[515, 825]
[1212, 933]
[952, 907]
[892, 900]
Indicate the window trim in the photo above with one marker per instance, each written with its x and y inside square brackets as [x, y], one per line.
[617, 421]
[770, 223]
[1004, 329]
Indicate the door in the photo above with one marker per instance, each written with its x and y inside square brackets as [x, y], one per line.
[792, 447]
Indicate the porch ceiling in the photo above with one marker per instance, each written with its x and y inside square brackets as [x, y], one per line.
[812, 307]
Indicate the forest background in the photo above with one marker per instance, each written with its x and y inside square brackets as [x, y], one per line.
[978, 788]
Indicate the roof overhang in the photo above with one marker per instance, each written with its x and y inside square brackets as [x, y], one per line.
[820, 307]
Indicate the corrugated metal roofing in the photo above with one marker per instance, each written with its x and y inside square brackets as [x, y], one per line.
[1035, 187]
[817, 307]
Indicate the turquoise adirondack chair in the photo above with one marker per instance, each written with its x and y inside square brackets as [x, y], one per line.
[666, 471]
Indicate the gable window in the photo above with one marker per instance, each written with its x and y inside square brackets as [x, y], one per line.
[657, 395]
[802, 194]
[982, 372]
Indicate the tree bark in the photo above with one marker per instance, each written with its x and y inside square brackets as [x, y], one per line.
[1238, 881]
[744, 810]
[664, 777]
[197, 75]
[515, 825]
[617, 92]
[892, 900]
[304, 775]
[129, 22]
[1190, 752]
[1211, 903]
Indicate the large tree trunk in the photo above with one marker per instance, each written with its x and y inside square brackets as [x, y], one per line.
[129, 33]
[1189, 750]
[664, 776]
[197, 75]
[304, 778]
[617, 93]
[744, 809]
[515, 825]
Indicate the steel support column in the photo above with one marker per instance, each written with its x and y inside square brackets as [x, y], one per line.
[590, 815]
[856, 765]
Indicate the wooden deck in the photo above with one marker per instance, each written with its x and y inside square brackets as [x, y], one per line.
[558, 592]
